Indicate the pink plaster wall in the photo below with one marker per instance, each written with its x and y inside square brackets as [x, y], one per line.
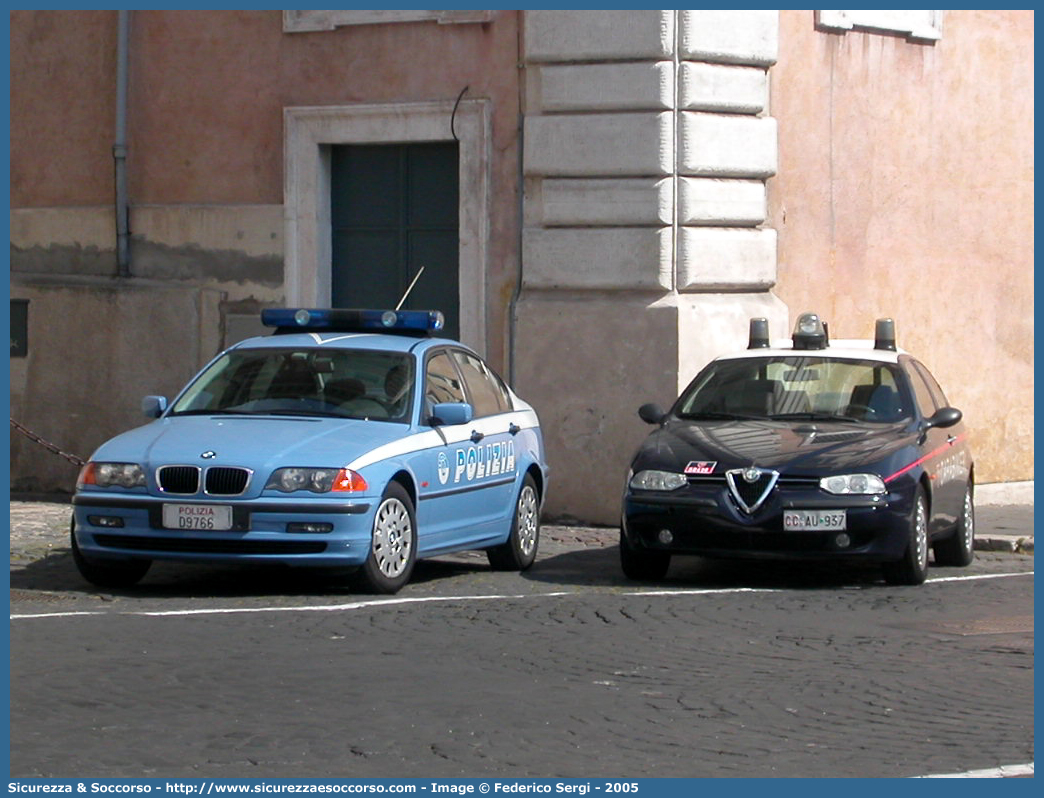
[63, 107]
[905, 189]
[206, 98]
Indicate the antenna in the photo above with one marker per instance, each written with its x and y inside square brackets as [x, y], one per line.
[410, 288]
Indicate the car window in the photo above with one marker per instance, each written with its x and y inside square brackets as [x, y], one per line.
[933, 387]
[441, 380]
[487, 392]
[339, 383]
[797, 386]
[925, 400]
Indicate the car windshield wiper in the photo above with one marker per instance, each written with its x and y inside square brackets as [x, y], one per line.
[815, 417]
[308, 413]
[205, 412]
[716, 415]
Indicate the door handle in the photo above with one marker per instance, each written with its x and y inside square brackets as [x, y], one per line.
[951, 439]
[476, 436]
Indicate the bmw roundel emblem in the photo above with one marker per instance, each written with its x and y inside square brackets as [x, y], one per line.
[208, 455]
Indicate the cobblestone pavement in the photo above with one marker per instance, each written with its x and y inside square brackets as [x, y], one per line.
[810, 681]
[567, 670]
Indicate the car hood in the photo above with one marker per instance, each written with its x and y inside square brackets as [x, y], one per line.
[805, 448]
[255, 442]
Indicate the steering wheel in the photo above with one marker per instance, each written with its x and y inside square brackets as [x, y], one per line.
[856, 410]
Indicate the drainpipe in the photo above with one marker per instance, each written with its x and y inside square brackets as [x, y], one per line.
[119, 149]
[517, 291]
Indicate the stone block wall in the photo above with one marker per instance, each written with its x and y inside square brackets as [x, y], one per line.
[647, 145]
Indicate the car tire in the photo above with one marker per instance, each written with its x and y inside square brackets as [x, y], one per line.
[107, 573]
[912, 567]
[520, 549]
[959, 548]
[393, 545]
[641, 565]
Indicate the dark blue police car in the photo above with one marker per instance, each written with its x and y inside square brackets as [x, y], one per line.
[804, 449]
[348, 439]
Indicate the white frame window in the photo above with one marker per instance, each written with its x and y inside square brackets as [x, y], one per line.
[917, 25]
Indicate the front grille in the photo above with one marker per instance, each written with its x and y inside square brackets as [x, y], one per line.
[783, 483]
[798, 483]
[178, 479]
[751, 492]
[203, 546]
[221, 481]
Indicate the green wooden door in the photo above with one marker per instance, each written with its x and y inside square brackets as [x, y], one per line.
[394, 210]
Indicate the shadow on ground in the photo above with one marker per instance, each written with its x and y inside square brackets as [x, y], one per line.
[590, 567]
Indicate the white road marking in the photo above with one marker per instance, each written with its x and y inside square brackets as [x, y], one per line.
[398, 602]
[1003, 772]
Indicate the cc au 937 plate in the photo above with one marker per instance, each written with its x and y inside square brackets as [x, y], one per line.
[208, 517]
[814, 520]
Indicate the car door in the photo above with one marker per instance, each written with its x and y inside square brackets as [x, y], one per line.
[464, 482]
[944, 451]
[493, 439]
[954, 468]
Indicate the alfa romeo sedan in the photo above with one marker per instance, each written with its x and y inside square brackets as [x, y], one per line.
[347, 439]
[805, 449]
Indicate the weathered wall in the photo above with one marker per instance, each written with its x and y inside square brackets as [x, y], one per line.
[205, 172]
[905, 189]
[899, 181]
[129, 341]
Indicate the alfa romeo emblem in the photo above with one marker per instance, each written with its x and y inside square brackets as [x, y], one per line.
[750, 486]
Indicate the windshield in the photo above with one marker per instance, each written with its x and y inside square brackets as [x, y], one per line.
[797, 387]
[304, 382]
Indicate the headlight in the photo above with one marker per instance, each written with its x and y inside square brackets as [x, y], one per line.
[658, 480]
[316, 480]
[109, 475]
[853, 484]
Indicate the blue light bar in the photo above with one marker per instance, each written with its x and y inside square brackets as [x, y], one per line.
[351, 320]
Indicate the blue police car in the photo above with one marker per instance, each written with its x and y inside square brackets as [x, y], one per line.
[348, 438]
[805, 449]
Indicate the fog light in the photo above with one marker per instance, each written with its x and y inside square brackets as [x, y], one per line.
[111, 521]
[843, 541]
[665, 537]
[310, 528]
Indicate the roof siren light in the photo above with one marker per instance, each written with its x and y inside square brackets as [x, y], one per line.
[759, 334]
[810, 332]
[409, 322]
[884, 335]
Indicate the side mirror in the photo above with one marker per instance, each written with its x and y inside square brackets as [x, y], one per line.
[451, 413]
[651, 413]
[945, 417]
[154, 406]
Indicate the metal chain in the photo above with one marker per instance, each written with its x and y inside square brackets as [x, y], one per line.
[72, 458]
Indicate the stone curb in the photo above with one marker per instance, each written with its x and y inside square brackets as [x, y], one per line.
[1009, 543]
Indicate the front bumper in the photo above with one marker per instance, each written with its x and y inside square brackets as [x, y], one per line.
[706, 521]
[123, 526]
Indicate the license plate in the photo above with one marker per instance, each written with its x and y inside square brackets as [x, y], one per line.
[197, 516]
[814, 520]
